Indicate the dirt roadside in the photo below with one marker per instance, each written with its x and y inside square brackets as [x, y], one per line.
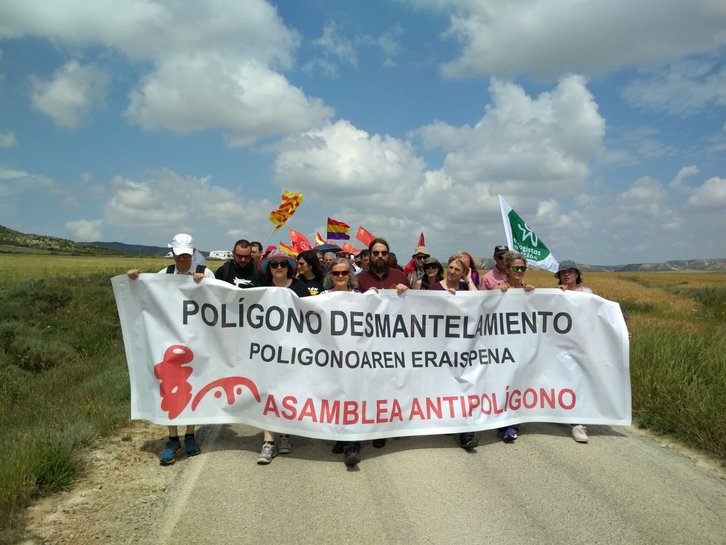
[123, 495]
[119, 499]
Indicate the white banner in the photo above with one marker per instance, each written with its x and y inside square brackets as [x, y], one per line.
[361, 366]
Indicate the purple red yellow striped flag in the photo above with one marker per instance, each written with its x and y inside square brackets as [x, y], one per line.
[337, 230]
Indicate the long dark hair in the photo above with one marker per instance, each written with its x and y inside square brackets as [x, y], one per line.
[311, 258]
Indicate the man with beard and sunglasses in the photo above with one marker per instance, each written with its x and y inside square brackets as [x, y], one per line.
[241, 270]
[379, 275]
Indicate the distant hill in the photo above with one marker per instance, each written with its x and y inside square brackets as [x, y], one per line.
[131, 249]
[704, 265]
[135, 249]
[17, 242]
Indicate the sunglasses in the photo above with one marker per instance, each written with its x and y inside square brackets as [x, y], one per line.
[420, 256]
[278, 264]
[380, 252]
[240, 256]
[432, 266]
[339, 273]
[519, 268]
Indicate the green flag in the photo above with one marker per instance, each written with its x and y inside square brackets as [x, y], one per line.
[522, 239]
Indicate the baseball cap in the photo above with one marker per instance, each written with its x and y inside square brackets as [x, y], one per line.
[182, 244]
[500, 249]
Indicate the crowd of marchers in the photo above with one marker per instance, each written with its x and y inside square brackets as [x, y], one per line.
[312, 272]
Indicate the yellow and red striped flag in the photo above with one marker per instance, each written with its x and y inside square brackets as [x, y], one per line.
[289, 250]
[289, 203]
[337, 230]
[319, 239]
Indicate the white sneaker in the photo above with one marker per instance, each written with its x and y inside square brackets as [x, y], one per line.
[579, 433]
[285, 447]
[268, 452]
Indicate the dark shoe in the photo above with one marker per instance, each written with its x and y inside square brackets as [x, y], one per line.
[337, 447]
[168, 455]
[468, 440]
[379, 443]
[510, 435]
[190, 445]
[352, 456]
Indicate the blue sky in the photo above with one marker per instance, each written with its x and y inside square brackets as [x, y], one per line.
[602, 123]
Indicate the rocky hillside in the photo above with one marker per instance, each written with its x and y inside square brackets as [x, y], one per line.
[17, 242]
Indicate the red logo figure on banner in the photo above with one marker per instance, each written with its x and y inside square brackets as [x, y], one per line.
[176, 392]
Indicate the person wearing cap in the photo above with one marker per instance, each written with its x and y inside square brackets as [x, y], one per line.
[433, 272]
[241, 270]
[182, 249]
[279, 269]
[569, 279]
[499, 273]
[414, 269]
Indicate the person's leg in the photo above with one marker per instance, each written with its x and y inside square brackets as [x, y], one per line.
[285, 445]
[468, 440]
[190, 442]
[269, 448]
[172, 446]
[579, 433]
[351, 453]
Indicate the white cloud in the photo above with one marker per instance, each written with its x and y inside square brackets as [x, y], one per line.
[16, 182]
[683, 174]
[684, 88]
[709, 196]
[167, 202]
[589, 37]
[7, 139]
[341, 163]
[644, 208]
[71, 94]
[212, 64]
[244, 98]
[85, 230]
[528, 148]
[533, 147]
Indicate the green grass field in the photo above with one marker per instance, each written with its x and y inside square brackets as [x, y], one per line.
[64, 381]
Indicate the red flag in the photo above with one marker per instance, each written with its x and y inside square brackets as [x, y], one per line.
[350, 249]
[364, 236]
[299, 241]
[421, 240]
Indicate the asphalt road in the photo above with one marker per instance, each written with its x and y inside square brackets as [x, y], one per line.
[621, 488]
